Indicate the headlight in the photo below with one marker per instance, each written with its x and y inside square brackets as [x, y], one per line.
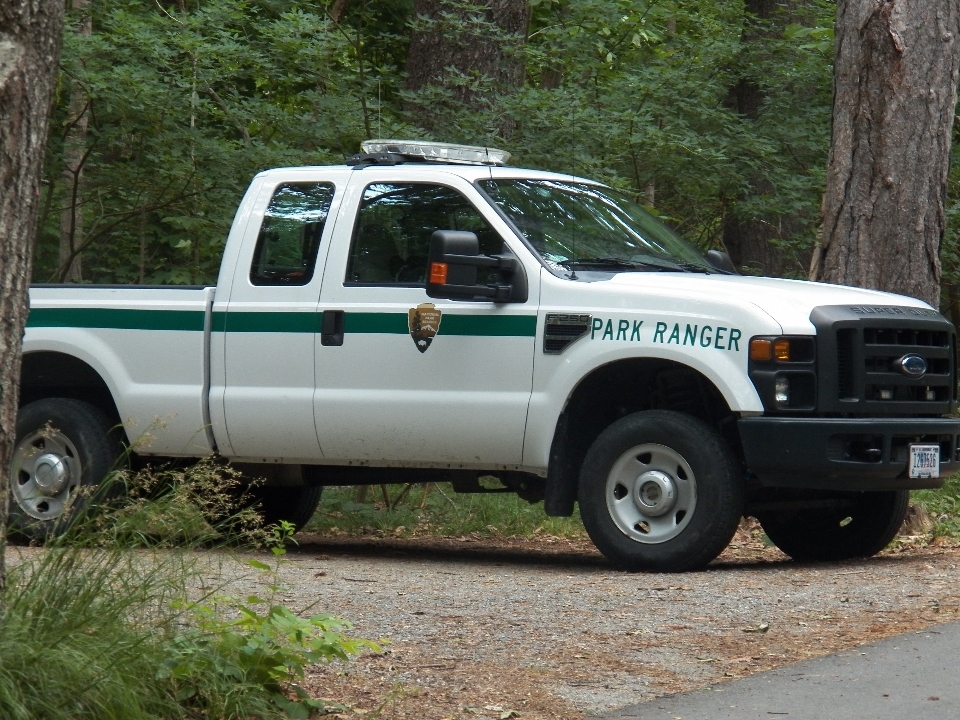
[782, 390]
[783, 369]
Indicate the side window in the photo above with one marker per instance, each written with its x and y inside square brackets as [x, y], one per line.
[394, 226]
[286, 252]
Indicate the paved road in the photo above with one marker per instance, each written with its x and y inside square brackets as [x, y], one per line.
[914, 676]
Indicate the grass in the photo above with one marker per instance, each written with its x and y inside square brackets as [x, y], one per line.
[943, 507]
[115, 621]
[437, 510]
[434, 509]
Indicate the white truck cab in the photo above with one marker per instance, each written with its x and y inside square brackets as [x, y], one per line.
[427, 313]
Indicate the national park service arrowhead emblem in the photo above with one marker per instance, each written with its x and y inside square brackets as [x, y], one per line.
[424, 322]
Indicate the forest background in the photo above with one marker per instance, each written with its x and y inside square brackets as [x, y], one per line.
[715, 115]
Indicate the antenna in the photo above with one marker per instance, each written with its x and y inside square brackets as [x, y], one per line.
[379, 109]
[573, 175]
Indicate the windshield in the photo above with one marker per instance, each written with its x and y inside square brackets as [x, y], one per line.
[577, 226]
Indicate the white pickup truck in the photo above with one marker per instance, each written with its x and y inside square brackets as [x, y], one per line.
[425, 313]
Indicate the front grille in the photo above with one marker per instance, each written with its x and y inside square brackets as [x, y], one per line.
[846, 367]
[884, 361]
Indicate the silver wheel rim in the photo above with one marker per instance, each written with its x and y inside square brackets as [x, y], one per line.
[651, 493]
[45, 474]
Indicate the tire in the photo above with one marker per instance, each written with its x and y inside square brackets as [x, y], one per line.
[296, 504]
[660, 491]
[63, 449]
[861, 529]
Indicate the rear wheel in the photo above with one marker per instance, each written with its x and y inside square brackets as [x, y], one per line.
[63, 449]
[295, 505]
[863, 525]
[660, 490]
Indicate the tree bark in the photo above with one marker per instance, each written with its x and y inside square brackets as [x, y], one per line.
[30, 35]
[479, 48]
[74, 158]
[895, 93]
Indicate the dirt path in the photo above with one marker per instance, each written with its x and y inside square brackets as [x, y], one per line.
[547, 629]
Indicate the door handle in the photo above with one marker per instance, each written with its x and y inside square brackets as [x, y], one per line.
[331, 328]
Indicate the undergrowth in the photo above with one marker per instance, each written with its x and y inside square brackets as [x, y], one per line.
[943, 507]
[434, 509]
[115, 620]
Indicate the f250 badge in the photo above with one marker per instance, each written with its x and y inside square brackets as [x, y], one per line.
[424, 322]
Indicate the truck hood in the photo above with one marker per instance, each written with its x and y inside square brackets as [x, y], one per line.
[788, 302]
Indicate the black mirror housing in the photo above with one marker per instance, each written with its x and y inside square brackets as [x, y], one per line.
[452, 264]
[721, 261]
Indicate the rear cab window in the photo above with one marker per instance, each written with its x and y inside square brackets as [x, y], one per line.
[289, 240]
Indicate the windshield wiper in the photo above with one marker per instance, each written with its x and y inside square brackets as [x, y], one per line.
[693, 267]
[622, 264]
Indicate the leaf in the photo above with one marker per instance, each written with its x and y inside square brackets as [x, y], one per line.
[259, 565]
[761, 628]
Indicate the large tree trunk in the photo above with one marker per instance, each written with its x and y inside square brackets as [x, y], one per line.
[74, 158]
[895, 92]
[479, 48]
[30, 36]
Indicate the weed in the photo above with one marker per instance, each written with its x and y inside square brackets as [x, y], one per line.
[943, 506]
[92, 629]
[170, 506]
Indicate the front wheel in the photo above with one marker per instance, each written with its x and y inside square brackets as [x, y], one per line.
[63, 448]
[660, 491]
[862, 525]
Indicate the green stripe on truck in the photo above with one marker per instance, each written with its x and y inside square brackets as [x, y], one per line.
[115, 318]
[277, 322]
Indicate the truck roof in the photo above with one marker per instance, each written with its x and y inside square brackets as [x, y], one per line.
[471, 173]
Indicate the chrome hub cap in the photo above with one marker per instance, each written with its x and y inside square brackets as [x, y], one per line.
[656, 493]
[651, 493]
[44, 474]
[51, 474]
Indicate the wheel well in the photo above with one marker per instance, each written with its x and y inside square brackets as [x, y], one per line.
[620, 388]
[53, 374]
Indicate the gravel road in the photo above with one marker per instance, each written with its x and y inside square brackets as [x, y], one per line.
[545, 628]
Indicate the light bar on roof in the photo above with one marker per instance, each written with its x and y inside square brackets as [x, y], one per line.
[439, 152]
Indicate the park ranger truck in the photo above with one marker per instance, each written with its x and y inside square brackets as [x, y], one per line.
[426, 313]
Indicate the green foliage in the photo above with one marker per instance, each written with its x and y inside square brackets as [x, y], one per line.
[78, 636]
[950, 248]
[943, 506]
[170, 506]
[430, 509]
[92, 630]
[187, 102]
[235, 642]
[265, 650]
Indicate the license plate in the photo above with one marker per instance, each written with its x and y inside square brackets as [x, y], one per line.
[924, 461]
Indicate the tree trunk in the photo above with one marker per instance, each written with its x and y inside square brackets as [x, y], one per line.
[480, 48]
[895, 92]
[74, 158]
[30, 36]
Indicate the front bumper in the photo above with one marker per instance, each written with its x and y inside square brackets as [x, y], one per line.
[843, 453]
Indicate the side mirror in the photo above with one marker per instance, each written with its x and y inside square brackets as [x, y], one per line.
[721, 261]
[452, 265]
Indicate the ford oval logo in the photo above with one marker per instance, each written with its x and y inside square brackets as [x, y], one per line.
[912, 366]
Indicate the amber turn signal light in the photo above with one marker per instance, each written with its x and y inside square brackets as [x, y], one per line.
[761, 350]
[438, 273]
[781, 350]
